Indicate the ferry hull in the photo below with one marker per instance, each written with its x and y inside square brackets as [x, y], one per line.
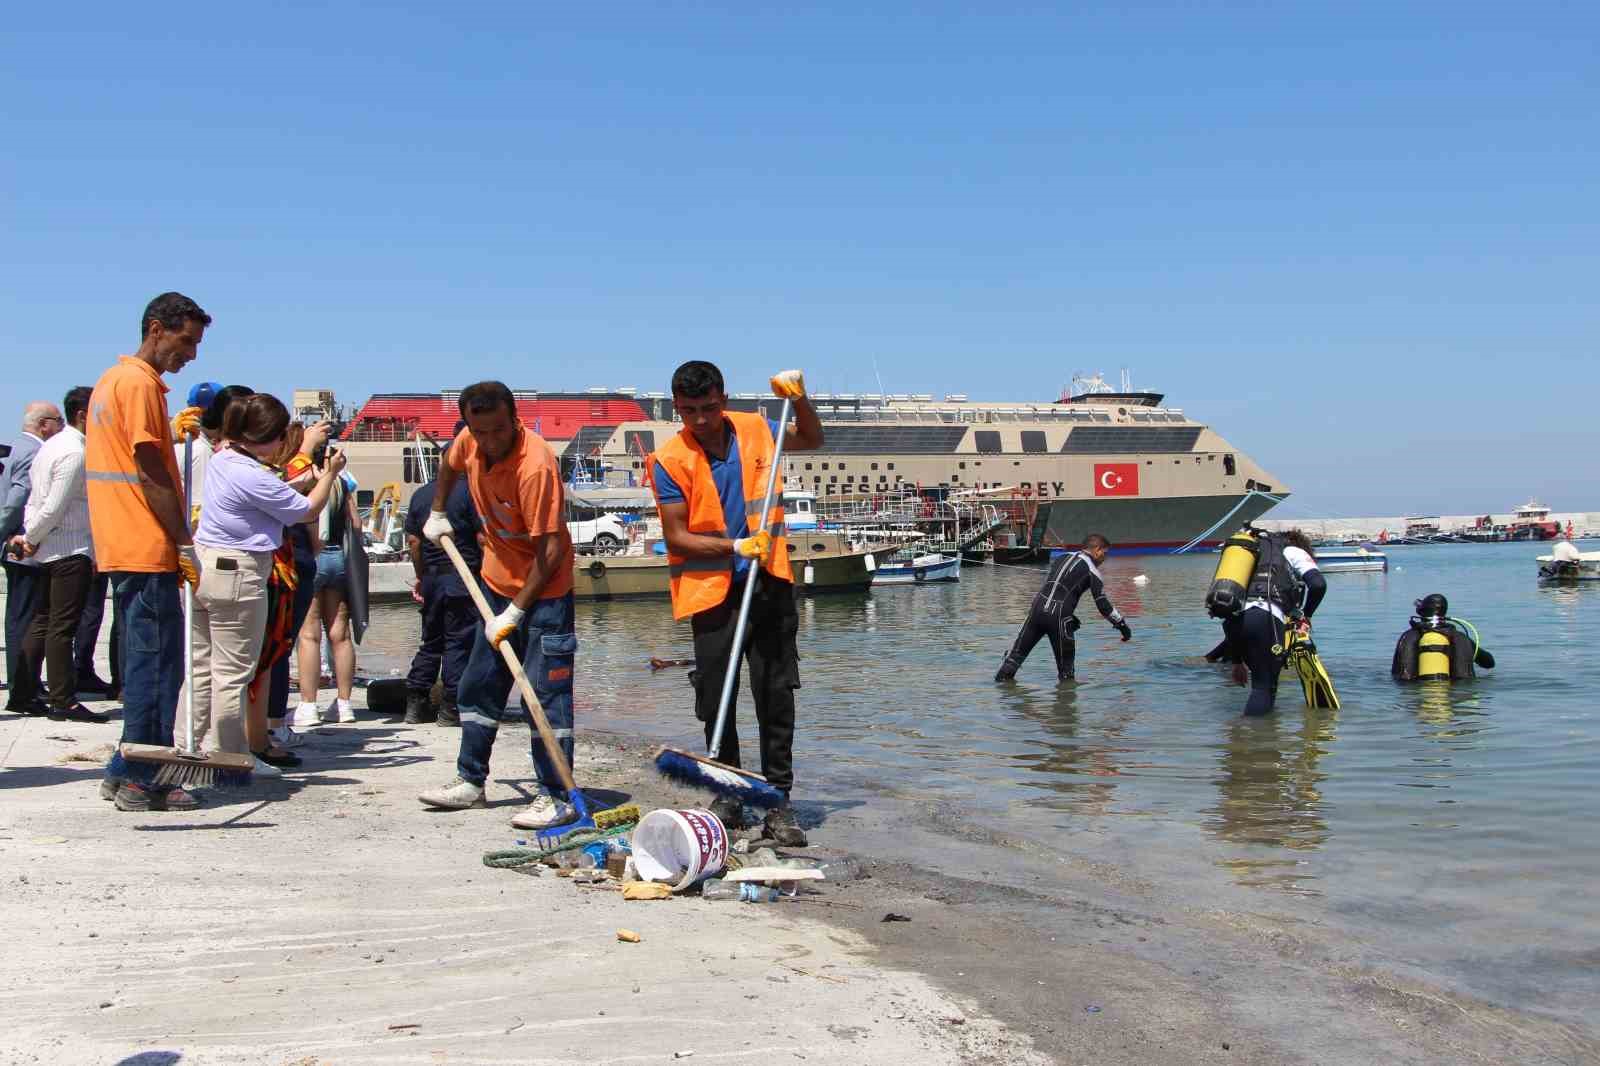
[1143, 526]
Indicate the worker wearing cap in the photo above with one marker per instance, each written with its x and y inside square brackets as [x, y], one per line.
[708, 481]
[515, 484]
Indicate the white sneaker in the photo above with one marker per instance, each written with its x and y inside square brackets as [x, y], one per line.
[458, 795]
[305, 716]
[341, 711]
[285, 737]
[545, 811]
[262, 769]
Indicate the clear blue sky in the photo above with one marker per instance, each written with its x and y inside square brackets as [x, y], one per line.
[1360, 240]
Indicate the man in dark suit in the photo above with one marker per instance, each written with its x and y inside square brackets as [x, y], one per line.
[41, 420]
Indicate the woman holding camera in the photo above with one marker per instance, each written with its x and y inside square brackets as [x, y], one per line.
[246, 510]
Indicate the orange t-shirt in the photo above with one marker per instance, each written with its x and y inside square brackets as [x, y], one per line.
[518, 498]
[128, 408]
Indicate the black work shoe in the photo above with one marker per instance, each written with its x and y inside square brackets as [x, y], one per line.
[77, 713]
[283, 760]
[449, 715]
[418, 709]
[781, 826]
[729, 811]
[33, 706]
[93, 685]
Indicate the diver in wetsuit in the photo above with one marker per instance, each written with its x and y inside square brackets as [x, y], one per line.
[1437, 647]
[1069, 577]
[1285, 585]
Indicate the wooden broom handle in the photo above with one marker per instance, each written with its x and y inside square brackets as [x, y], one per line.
[509, 654]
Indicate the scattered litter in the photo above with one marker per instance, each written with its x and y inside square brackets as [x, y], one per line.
[893, 917]
[61, 737]
[104, 1004]
[1091, 1009]
[1141, 579]
[519, 1025]
[100, 754]
[682, 1054]
[628, 936]
[956, 1020]
[405, 1025]
[646, 890]
[47, 840]
[587, 877]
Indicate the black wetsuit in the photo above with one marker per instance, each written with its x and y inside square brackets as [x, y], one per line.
[1051, 614]
[1251, 636]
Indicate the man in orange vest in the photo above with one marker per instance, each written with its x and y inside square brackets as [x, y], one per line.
[708, 482]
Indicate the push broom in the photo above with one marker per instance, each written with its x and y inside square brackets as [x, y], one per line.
[187, 767]
[705, 771]
[588, 817]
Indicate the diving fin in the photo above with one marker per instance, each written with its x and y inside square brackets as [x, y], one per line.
[1314, 678]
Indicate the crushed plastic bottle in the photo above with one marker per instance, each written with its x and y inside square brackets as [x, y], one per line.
[740, 891]
[843, 868]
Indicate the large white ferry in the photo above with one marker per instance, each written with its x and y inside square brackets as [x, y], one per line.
[1117, 461]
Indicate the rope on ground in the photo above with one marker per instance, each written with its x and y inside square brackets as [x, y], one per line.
[511, 858]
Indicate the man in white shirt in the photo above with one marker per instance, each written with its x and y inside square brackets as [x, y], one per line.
[55, 536]
[40, 421]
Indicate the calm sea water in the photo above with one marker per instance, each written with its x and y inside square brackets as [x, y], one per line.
[1449, 827]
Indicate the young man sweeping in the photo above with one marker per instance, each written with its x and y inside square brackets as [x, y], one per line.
[708, 481]
[527, 565]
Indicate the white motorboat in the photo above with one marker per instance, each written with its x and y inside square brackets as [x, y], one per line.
[919, 570]
[1351, 561]
[1566, 563]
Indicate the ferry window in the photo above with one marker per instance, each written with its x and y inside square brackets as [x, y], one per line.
[891, 466]
[1033, 440]
[833, 479]
[824, 466]
[986, 440]
[808, 466]
[962, 465]
[1227, 465]
[874, 466]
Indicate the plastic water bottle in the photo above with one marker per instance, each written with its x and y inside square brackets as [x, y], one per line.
[843, 868]
[741, 891]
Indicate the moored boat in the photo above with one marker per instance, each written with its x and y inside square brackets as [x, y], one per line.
[1566, 563]
[930, 568]
[1351, 561]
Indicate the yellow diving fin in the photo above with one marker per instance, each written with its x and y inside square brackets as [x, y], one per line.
[1313, 675]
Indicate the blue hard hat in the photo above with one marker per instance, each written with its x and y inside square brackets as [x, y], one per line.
[203, 393]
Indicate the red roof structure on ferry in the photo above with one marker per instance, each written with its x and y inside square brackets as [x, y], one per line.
[396, 416]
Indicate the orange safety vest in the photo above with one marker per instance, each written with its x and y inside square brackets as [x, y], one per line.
[700, 584]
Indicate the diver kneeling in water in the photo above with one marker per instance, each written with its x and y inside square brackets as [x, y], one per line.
[1437, 647]
[1284, 588]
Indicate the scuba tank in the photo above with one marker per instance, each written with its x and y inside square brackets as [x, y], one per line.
[1234, 570]
[1433, 656]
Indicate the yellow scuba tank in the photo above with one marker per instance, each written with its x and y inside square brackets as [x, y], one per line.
[1433, 656]
[1234, 570]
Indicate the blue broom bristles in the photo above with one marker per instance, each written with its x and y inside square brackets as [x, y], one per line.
[723, 780]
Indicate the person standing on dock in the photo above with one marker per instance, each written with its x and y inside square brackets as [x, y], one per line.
[706, 480]
[527, 567]
[1051, 613]
[449, 619]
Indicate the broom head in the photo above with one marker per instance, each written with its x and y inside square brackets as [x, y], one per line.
[701, 772]
[192, 769]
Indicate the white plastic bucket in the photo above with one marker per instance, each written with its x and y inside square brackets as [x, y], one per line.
[680, 847]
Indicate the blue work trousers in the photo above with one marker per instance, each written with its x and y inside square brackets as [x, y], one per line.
[152, 665]
[450, 623]
[547, 646]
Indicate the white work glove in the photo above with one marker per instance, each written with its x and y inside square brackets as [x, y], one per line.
[789, 384]
[756, 546]
[437, 526]
[503, 625]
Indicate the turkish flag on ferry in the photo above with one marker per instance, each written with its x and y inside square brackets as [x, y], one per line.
[1116, 479]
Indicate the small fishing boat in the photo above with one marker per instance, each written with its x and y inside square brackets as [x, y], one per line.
[1566, 564]
[919, 569]
[1351, 561]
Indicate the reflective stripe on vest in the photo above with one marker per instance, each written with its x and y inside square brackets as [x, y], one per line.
[111, 475]
[700, 584]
